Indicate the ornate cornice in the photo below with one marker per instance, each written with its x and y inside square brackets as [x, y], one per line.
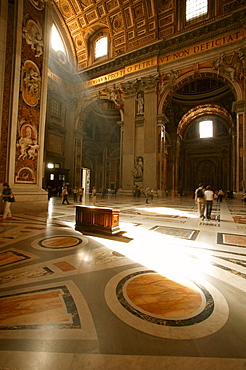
[182, 40]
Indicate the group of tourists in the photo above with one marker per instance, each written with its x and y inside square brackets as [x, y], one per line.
[77, 192]
[204, 197]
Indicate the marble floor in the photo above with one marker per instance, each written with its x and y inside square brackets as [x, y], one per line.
[167, 292]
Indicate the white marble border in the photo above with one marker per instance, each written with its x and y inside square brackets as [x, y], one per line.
[74, 361]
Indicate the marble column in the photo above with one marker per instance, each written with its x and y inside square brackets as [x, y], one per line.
[27, 112]
[239, 147]
[128, 140]
[150, 131]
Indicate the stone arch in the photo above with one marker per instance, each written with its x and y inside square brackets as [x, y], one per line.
[186, 78]
[101, 141]
[200, 110]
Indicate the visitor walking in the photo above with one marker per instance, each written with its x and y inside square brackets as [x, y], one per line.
[94, 195]
[8, 198]
[209, 197]
[65, 195]
[200, 200]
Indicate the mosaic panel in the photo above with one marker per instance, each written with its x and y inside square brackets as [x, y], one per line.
[52, 308]
[231, 239]
[27, 274]
[239, 219]
[176, 232]
[64, 266]
[9, 257]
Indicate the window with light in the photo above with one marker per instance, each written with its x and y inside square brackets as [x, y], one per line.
[196, 9]
[205, 129]
[101, 47]
[56, 40]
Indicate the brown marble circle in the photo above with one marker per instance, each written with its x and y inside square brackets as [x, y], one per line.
[161, 296]
[60, 242]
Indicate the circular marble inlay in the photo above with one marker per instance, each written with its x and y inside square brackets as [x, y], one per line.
[60, 242]
[157, 305]
[157, 295]
[178, 303]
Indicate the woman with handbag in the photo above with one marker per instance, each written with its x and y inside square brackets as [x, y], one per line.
[8, 198]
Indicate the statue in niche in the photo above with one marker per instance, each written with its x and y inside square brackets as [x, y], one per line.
[138, 169]
[169, 81]
[232, 67]
[140, 103]
[32, 33]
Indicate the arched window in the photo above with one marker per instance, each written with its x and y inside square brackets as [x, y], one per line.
[196, 9]
[56, 40]
[101, 47]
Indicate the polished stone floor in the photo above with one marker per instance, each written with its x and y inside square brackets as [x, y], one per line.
[168, 292]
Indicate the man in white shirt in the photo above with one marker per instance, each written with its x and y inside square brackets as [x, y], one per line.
[209, 197]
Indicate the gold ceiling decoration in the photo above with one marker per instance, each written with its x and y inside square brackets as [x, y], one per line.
[132, 24]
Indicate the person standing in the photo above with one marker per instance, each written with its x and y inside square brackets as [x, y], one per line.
[94, 195]
[6, 195]
[220, 195]
[81, 193]
[209, 197]
[75, 193]
[199, 199]
[147, 194]
[65, 195]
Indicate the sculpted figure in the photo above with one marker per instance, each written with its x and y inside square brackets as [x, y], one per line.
[232, 67]
[32, 149]
[27, 145]
[140, 103]
[32, 32]
[169, 81]
[32, 82]
[114, 95]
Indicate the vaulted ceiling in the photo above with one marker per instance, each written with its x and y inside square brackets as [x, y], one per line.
[131, 24]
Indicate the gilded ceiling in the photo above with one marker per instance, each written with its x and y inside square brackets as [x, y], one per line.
[131, 24]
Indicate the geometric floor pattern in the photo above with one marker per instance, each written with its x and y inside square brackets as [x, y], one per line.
[168, 292]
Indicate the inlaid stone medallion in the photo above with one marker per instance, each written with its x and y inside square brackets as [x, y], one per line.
[59, 242]
[167, 308]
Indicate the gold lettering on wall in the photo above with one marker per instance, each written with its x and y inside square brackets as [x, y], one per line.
[190, 50]
[204, 46]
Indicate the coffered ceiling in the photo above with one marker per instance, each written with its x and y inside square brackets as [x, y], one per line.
[131, 24]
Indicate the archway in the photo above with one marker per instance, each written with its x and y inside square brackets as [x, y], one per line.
[191, 157]
[101, 144]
